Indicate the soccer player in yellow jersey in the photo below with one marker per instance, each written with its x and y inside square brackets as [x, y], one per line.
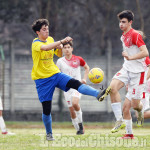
[46, 74]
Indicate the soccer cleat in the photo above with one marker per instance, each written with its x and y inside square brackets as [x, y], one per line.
[140, 119]
[103, 94]
[128, 136]
[49, 137]
[81, 129]
[8, 133]
[119, 125]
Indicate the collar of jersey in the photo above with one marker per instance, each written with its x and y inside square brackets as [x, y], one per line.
[37, 40]
[127, 32]
[70, 58]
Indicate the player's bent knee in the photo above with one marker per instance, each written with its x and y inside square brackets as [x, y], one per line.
[136, 104]
[75, 105]
[73, 83]
[46, 107]
[126, 110]
[71, 108]
[135, 107]
[113, 90]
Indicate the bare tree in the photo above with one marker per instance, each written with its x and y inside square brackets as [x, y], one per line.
[140, 14]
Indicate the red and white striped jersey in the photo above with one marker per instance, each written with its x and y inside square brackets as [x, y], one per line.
[131, 42]
[72, 66]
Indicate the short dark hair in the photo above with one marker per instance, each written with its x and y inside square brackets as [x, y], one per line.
[128, 14]
[37, 25]
[70, 43]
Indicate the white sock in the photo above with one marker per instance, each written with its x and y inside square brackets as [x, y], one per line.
[75, 123]
[116, 107]
[79, 116]
[128, 126]
[2, 124]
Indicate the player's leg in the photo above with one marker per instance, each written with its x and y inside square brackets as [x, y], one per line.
[47, 119]
[137, 105]
[66, 82]
[77, 108]
[147, 114]
[45, 89]
[128, 119]
[145, 100]
[85, 89]
[136, 88]
[74, 118]
[146, 106]
[2, 122]
[118, 81]
[68, 97]
[116, 85]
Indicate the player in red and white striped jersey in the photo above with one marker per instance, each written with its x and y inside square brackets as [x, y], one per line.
[127, 114]
[133, 70]
[71, 65]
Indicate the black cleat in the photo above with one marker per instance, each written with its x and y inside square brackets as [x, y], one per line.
[49, 137]
[81, 129]
[101, 96]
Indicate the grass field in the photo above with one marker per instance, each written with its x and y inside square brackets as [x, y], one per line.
[31, 136]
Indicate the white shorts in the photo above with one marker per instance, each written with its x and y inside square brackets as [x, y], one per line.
[144, 100]
[1, 106]
[70, 94]
[135, 81]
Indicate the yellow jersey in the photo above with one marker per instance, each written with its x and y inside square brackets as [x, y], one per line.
[43, 64]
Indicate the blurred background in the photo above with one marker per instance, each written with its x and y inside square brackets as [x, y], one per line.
[94, 27]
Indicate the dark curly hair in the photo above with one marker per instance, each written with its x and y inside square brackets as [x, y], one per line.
[37, 25]
[128, 14]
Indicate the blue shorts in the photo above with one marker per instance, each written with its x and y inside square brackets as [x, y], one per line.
[45, 87]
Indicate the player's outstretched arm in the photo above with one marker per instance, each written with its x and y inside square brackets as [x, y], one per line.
[55, 44]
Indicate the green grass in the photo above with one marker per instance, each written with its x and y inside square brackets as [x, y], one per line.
[31, 136]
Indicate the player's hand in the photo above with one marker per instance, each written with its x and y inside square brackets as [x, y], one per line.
[67, 39]
[59, 47]
[83, 81]
[125, 54]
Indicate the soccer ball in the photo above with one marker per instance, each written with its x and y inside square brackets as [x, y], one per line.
[96, 75]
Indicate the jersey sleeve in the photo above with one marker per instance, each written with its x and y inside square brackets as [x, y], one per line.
[56, 51]
[82, 61]
[137, 39]
[147, 61]
[36, 46]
